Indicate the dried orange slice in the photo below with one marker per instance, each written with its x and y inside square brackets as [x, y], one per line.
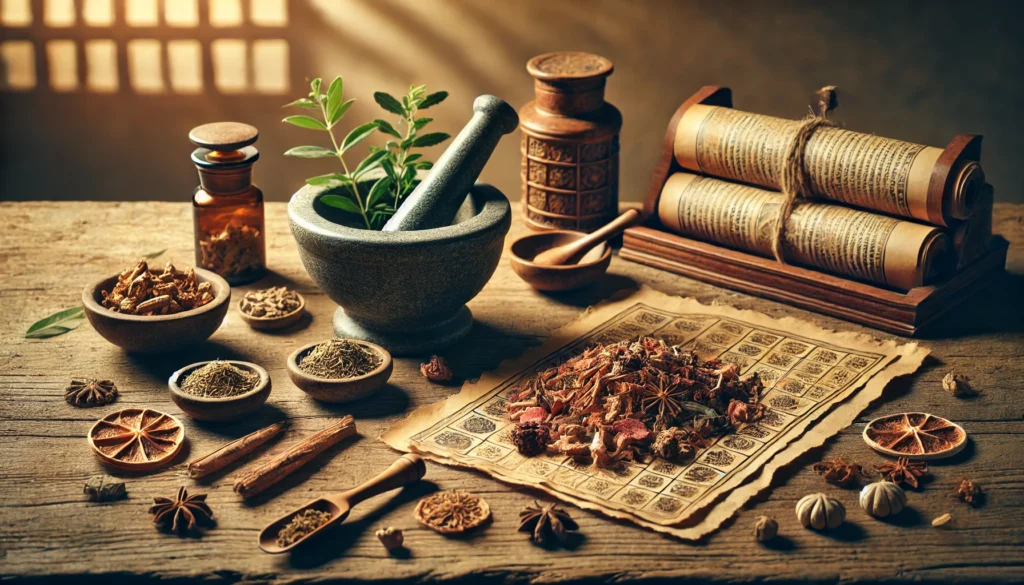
[916, 435]
[139, 439]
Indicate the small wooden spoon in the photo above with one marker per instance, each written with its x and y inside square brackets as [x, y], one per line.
[572, 252]
[408, 469]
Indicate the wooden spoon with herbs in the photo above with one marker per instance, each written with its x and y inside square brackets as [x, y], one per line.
[294, 528]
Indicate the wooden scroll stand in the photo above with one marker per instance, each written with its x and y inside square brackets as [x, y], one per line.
[980, 256]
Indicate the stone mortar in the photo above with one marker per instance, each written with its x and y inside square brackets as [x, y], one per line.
[405, 291]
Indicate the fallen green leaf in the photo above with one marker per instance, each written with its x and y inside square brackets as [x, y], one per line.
[56, 324]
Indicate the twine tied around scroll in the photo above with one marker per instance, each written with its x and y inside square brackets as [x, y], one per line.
[793, 179]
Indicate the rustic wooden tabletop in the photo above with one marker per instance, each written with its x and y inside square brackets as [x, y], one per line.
[49, 251]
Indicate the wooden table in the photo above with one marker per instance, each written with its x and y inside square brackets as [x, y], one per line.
[50, 251]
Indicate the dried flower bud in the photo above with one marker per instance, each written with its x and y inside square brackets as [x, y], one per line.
[765, 528]
[531, 438]
[391, 538]
[436, 370]
[941, 520]
[969, 492]
[959, 386]
[673, 444]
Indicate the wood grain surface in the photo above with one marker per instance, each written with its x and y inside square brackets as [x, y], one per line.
[49, 251]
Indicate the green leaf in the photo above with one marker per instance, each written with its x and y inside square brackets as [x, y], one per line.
[302, 103]
[388, 102]
[430, 139]
[389, 168]
[424, 166]
[341, 111]
[305, 122]
[153, 255]
[357, 135]
[340, 202]
[310, 152]
[329, 179]
[334, 94]
[56, 324]
[421, 122]
[433, 99]
[387, 128]
[379, 191]
[369, 163]
[315, 86]
[413, 158]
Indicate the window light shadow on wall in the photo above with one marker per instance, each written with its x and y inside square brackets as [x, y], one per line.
[63, 50]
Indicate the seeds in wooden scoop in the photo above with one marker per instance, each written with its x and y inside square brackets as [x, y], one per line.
[915, 435]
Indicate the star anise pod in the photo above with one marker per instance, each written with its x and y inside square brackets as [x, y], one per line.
[969, 492]
[88, 393]
[838, 472]
[903, 471]
[545, 522]
[182, 513]
[436, 370]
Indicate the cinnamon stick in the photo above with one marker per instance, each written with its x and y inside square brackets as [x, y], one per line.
[233, 451]
[278, 467]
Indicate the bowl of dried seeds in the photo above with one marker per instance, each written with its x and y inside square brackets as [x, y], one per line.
[146, 310]
[219, 390]
[271, 308]
[340, 370]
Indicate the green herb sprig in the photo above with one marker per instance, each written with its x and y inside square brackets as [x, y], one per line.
[396, 158]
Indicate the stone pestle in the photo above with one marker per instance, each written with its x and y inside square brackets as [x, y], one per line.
[436, 200]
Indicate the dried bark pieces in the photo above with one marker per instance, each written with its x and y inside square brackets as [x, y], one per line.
[452, 512]
[183, 513]
[86, 393]
[140, 291]
[915, 435]
[137, 438]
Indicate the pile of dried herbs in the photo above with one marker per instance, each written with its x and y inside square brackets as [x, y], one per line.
[219, 379]
[339, 359]
[633, 400]
[141, 291]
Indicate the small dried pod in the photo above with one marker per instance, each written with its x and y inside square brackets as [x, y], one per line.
[882, 498]
[942, 520]
[958, 385]
[765, 528]
[820, 512]
[391, 538]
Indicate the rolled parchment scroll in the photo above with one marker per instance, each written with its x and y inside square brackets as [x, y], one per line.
[860, 170]
[832, 238]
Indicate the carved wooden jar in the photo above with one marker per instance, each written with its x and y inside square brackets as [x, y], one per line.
[570, 144]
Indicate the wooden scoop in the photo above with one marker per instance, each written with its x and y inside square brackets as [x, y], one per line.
[408, 469]
[572, 252]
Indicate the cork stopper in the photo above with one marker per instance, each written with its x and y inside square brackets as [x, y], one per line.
[225, 155]
[569, 83]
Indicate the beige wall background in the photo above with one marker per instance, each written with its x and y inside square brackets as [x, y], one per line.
[915, 70]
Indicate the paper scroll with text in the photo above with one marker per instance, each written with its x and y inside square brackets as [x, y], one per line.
[862, 170]
[816, 382]
[857, 244]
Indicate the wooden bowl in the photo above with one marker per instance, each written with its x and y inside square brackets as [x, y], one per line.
[589, 269]
[340, 390]
[220, 409]
[157, 333]
[272, 323]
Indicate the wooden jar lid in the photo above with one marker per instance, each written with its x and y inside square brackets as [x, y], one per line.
[569, 66]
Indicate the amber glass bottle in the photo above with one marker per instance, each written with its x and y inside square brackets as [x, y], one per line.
[227, 208]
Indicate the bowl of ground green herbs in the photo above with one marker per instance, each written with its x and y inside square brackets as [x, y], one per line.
[340, 370]
[219, 390]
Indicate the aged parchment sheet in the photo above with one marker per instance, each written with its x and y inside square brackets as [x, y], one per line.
[816, 383]
[862, 170]
[867, 246]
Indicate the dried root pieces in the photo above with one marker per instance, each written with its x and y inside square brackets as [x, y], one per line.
[140, 291]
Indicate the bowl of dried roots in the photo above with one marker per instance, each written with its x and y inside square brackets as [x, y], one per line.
[271, 308]
[219, 390]
[152, 310]
[340, 370]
